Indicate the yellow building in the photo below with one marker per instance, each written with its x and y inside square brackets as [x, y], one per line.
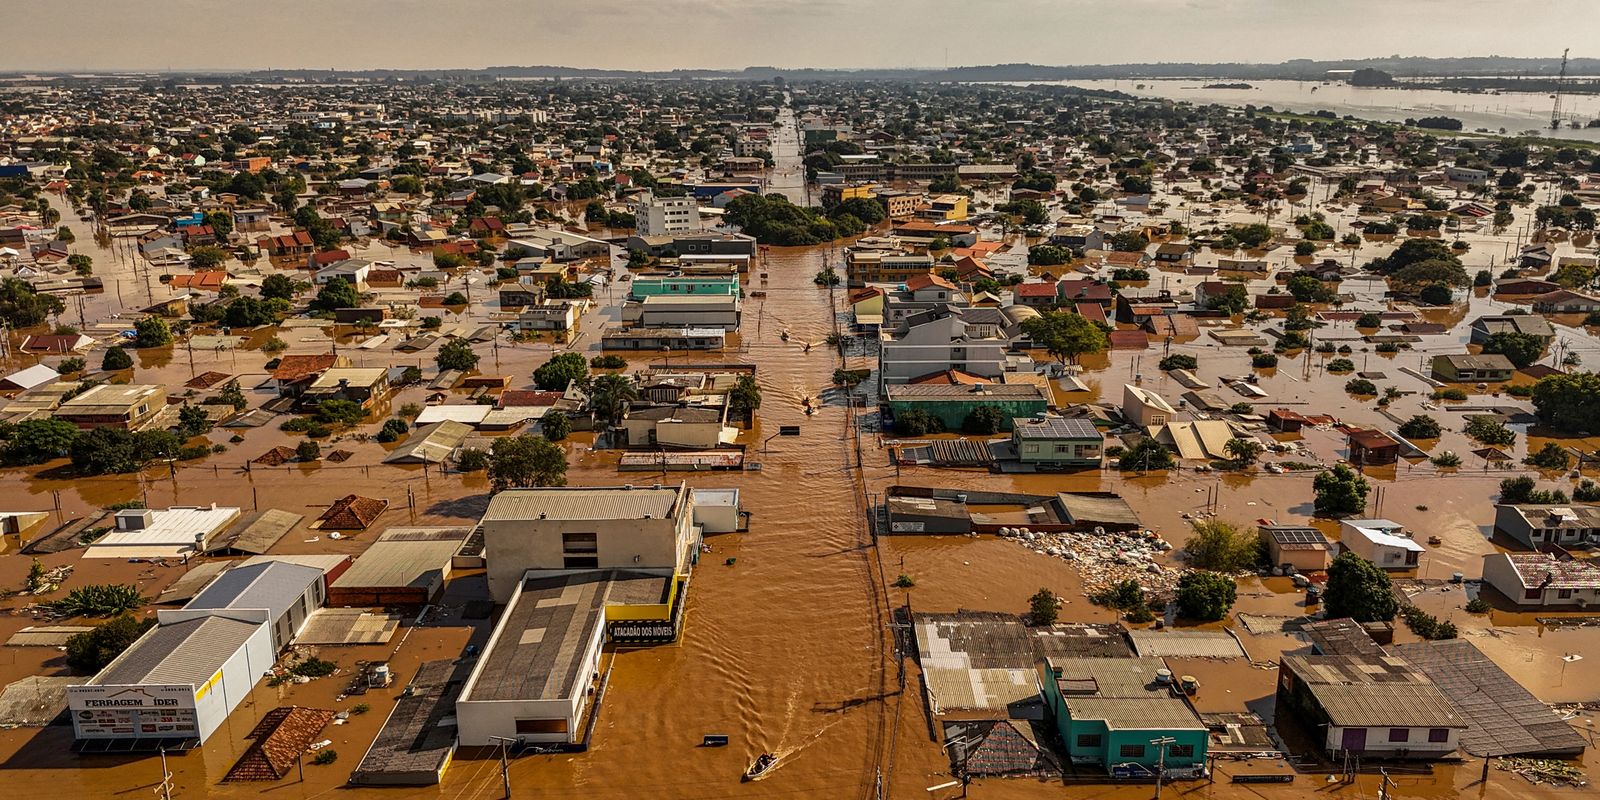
[946, 207]
[837, 193]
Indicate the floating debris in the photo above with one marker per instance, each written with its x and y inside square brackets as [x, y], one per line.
[1544, 770]
[1105, 558]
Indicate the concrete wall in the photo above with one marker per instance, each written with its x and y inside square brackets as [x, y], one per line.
[512, 547]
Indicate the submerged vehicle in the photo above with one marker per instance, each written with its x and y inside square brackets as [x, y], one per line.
[764, 763]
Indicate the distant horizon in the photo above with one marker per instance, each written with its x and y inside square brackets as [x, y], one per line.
[1317, 63]
[230, 36]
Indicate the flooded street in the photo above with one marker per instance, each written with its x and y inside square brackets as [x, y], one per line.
[790, 643]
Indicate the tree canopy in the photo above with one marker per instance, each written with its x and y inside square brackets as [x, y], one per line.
[554, 375]
[526, 460]
[1340, 491]
[1065, 335]
[1205, 596]
[1570, 403]
[1358, 589]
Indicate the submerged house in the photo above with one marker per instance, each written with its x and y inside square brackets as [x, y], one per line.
[1112, 711]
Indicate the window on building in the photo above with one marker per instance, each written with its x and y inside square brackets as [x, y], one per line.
[527, 726]
[1438, 734]
[1063, 449]
[1088, 740]
[1531, 594]
[1564, 594]
[580, 543]
[1180, 751]
[580, 562]
[1132, 751]
[1399, 734]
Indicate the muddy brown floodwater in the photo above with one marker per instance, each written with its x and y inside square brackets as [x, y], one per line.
[790, 648]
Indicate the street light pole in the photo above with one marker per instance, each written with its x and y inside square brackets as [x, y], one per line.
[505, 767]
[1161, 743]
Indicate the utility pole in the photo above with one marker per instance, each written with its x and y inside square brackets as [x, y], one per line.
[166, 777]
[1161, 743]
[505, 767]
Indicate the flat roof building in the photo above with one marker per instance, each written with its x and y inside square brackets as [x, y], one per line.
[176, 532]
[535, 675]
[404, 567]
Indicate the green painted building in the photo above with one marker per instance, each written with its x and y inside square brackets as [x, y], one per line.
[951, 403]
[1113, 712]
[1056, 442]
[697, 285]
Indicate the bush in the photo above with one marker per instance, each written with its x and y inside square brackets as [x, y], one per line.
[1490, 431]
[1043, 608]
[472, 460]
[915, 422]
[555, 374]
[1360, 386]
[1427, 625]
[1446, 459]
[116, 359]
[457, 354]
[325, 756]
[314, 668]
[1369, 320]
[1123, 595]
[70, 365]
[1551, 456]
[1436, 294]
[1420, 426]
[608, 362]
[1340, 491]
[99, 600]
[194, 452]
[1180, 361]
[1147, 454]
[92, 650]
[1223, 547]
[455, 299]
[983, 421]
[1522, 489]
[1587, 491]
[340, 412]
[393, 429]
[555, 426]
[308, 450]
[1264, 361]
[1339, 366]
[1477, 605]
[1450, 393]
[1205, 596]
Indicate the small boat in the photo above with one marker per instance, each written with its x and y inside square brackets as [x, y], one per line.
[764, 764]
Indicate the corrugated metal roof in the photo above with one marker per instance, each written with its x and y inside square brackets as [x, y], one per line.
[275, 586]
[403, 558]
[183, 653]
[431, 443]
[585, 503]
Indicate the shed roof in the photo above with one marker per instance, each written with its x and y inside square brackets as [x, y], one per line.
[275, 586]
[181, 653]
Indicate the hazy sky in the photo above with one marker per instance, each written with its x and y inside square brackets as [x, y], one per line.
[666, 34]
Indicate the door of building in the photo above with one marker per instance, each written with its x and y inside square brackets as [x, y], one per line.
[1355, 740]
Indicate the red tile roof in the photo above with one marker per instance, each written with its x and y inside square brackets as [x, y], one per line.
[294, 368]
[352, 512]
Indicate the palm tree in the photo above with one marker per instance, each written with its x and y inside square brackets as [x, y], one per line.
[610, 395]
[1244, 451]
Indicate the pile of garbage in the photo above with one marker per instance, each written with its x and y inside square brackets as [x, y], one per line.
[1544, 770]
[1105, 558]
[43, 581]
